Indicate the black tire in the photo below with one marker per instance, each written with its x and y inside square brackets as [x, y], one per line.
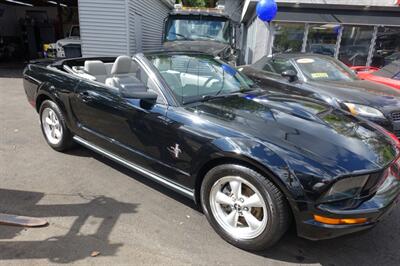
[276, 205]
[65, 141]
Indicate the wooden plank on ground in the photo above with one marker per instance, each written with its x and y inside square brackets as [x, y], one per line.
[8, 219]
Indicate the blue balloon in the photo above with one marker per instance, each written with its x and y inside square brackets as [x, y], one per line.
[266, 10]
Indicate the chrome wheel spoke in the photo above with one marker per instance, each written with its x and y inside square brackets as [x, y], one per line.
[49, 121]
[53, 133]
[222, 198]
[236, 188]
[232, 218]
[252, 221]
[253, 201]
[57, 133]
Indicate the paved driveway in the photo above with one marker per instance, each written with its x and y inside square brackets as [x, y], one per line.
[94, 205]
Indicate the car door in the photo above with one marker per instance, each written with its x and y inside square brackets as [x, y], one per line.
[151, 132]
[129, 128]
[98, 111]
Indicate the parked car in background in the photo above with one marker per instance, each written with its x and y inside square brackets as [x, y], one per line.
[327, 79]
[388, 75]
[70, 46]
[252, 160]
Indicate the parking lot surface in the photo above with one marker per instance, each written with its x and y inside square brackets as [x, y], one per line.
[94, 205]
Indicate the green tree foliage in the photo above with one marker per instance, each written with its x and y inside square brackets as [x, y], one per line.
[196, 3]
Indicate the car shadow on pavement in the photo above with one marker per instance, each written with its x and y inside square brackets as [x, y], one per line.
[356, 249]
[64, 248]
[363, 248]
[83, 152]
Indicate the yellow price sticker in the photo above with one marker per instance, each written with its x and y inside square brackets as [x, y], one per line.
[319, 75]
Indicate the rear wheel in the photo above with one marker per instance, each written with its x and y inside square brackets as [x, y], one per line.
[244, 207]
[53, 126]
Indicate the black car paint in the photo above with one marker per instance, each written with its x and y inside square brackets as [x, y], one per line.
[381, 97]
[303, 145]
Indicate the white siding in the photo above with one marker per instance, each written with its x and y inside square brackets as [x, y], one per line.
[153, 13]
[103, 27]
[111, 28]
[258, 41]
[250, 41]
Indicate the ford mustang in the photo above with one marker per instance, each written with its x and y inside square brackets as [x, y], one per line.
[253, 161]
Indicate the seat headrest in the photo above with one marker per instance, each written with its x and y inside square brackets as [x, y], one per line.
[123, 65]
[95, 67]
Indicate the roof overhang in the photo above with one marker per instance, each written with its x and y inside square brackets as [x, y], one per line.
[346, 14]
[41, 3]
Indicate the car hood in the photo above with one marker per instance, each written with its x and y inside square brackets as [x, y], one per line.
[361, 91]
[307, 129]
[210, 47]
[69, 40]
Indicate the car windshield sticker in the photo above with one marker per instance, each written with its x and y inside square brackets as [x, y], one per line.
[319, 75]
[305, 60]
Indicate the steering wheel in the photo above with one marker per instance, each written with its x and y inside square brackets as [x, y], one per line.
[208, 81]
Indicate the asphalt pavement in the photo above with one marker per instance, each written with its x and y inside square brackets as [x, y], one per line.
[102, 213]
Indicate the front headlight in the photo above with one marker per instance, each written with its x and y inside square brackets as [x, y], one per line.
[346, 188]
[363, 110]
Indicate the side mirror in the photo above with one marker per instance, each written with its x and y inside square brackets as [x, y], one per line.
[291, 75]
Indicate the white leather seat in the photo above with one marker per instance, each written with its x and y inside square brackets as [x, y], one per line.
[172, 79]
[97, 69]
[108, 68]
[123, 75]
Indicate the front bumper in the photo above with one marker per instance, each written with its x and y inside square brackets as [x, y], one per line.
[374, 210]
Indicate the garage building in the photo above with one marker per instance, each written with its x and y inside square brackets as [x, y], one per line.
[85, 27]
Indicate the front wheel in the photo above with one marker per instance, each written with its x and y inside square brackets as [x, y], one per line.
[53, 126]
[244, 207]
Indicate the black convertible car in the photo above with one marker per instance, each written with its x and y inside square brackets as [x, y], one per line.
[253, 161]
[329, 80]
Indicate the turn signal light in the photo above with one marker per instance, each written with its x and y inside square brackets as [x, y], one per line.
[326, 220]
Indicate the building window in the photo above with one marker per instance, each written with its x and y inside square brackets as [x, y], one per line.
[288, 37]
[355, 44]
[387, 46]
[322, 38]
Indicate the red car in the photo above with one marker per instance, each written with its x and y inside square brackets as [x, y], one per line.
[388, 75]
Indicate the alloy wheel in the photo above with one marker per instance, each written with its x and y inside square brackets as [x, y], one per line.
[52, 126]
[238, 207]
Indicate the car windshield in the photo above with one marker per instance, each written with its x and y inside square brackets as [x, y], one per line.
[195, 77]
[198, 29]
[324, 69]
[75, 32]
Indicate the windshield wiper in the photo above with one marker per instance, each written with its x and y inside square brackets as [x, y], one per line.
[206, 98]
[210, 37]
[207, 36]
[216, 96]
[224, 95]
[181, 35]
[210, 97]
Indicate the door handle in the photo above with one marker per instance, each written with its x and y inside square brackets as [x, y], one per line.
[84, 96]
